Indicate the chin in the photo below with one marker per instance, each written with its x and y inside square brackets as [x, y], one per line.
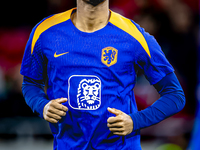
[94, 2]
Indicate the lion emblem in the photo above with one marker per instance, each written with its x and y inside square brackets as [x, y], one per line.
[109, 56]
[88, 96]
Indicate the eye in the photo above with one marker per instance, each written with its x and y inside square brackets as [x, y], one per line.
[84, 85]
[97, 85]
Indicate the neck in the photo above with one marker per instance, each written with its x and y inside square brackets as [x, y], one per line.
[90, 18]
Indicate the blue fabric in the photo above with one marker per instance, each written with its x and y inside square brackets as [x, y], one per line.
[99, 71]
[195, 136]
[194, 143]
[172, 101]
[156, 67]
[35, 97]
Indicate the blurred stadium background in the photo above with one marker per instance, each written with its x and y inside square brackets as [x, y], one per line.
[175, 25]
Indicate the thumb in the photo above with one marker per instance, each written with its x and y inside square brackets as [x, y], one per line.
[61, 100]
[114, 111]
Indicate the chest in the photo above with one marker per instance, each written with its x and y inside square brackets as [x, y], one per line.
[73, 50]
[104, 57]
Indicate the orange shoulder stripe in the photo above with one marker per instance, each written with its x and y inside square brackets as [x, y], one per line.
[127, 26]
[49, 22]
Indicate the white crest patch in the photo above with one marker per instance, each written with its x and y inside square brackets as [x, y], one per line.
[84, 92]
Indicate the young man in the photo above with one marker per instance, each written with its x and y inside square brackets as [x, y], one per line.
[89, 56]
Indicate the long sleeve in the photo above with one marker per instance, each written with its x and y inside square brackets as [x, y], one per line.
[35, 97]
[172, 101]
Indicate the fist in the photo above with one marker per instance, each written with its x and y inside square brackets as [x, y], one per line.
[54, 110]
[122, 124]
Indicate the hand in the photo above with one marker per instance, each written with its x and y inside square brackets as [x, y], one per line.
[54, 110]
[122, 124]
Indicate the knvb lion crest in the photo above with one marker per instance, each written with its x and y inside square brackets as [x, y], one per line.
[109, 56]
[84, 92]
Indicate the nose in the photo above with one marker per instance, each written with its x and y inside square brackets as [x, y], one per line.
[90, 95]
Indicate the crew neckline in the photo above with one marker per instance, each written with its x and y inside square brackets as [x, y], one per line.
[88, 33]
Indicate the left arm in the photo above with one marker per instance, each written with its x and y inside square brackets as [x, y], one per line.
[160, 73]
[172, 101]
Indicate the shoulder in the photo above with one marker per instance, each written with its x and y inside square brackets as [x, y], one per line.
[130, 27]
[47, 23]
[54, 20]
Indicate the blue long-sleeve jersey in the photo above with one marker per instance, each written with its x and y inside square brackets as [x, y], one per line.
[95, 71]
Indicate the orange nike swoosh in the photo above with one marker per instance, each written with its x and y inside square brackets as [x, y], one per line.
[55, 55]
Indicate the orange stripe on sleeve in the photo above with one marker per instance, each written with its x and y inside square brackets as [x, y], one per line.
[127, 26]
[49, 22]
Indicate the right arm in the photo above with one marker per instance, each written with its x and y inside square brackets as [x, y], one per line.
[35, 97]
[34, 71]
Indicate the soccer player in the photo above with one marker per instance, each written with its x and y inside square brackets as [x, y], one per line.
[89, 56]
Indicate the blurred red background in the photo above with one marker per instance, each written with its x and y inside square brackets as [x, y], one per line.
[175, 25]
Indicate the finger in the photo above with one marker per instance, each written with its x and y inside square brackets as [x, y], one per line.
[120, 133]
[114, 111]
[61, 100]
[116, 129]
[112, 120]
[54, 116]
[60, 107]
[52, 120]
[115, 125]
[57, 111]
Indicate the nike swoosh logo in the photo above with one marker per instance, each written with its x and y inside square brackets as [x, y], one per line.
[58, 55]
